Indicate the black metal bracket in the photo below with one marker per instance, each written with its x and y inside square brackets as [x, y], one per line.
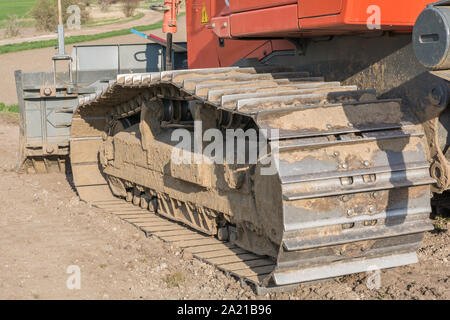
[301, 45]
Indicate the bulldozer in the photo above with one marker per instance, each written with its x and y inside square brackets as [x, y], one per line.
[329, 121]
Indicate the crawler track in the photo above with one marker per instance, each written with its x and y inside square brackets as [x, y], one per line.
[225, 256]
[351, 190]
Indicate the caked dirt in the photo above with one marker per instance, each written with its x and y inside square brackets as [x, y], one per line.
[45, 229]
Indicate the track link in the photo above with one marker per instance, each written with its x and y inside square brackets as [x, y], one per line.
[224, 255]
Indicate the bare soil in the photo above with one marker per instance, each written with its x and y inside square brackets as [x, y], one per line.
[44, 229]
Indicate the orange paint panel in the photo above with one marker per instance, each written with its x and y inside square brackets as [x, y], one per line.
[247, 5]
[325, 17]
[308, 8]
[266, 19]
[262, 51]
[201, 41]
[279, 45]
[398, 12]
[170, 17]
[332, 23]
[221, 26]
[234, 50]
[259, 22]
[217, 6]
[354, 15]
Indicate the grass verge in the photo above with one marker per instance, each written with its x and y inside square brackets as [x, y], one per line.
[441, 224]
[12, 108]
[175, 279]
[18, 7]
[9, 114]
[16, 47]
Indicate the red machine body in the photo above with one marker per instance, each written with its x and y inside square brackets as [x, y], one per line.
[215, 30]
[170, 16]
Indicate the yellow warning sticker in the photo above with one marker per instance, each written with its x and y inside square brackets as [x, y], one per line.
[205, 18]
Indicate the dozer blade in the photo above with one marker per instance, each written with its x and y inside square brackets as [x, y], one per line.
[350, 191]
[47, 100]
[45, 119]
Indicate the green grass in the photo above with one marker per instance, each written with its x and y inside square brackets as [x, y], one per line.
[175, 279]
[9, 112]
[8, 48]
[19, 7]
[441, 224]
[12, 108]
[16, 47]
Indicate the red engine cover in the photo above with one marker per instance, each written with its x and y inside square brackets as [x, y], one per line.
[211, 20]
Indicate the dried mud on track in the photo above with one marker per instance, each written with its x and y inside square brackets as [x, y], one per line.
[44, 228]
